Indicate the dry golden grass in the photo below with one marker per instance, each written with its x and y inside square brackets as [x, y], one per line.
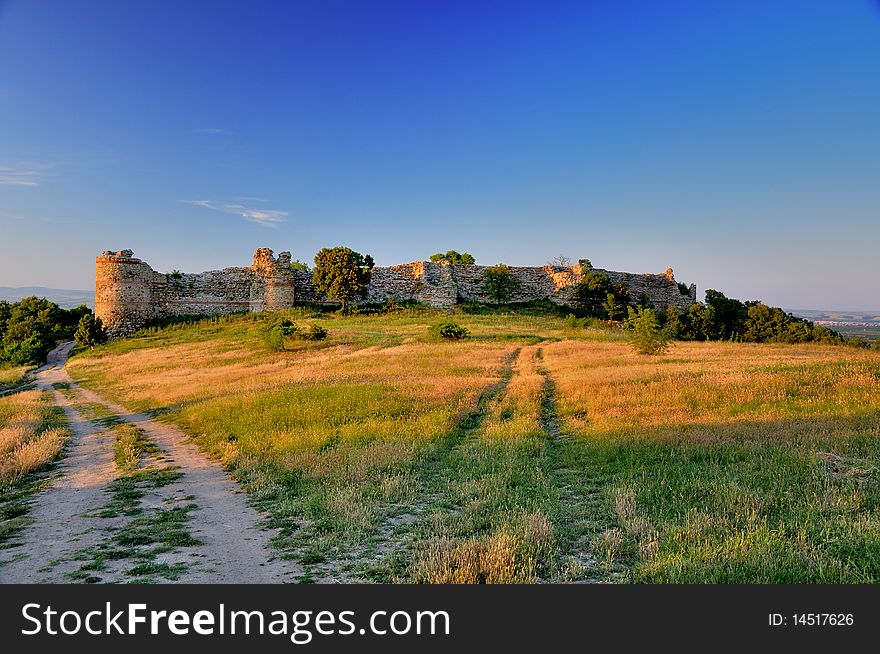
[29, 434]
[195, 371]
[508, 556]
[11, 377]
[606, 389]
[517, 413]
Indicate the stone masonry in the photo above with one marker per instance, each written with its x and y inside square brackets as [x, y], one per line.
[129, 293]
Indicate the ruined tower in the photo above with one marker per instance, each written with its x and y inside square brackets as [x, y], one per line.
[123, 295]
[275, 289]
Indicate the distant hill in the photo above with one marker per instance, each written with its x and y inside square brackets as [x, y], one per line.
[62, 297]
[839, 316]
[853, 324]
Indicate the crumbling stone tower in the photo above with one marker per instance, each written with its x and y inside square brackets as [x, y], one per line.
[129, 293]
[123, 291]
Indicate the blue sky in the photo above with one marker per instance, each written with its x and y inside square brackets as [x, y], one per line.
[736, 142]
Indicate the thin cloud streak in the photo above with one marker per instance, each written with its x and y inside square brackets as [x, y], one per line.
[21, 175]
[265, 217]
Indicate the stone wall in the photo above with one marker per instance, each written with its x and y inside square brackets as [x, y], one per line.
[129, 294]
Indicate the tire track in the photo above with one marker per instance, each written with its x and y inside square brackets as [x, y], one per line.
[395, 535]
[582, 503]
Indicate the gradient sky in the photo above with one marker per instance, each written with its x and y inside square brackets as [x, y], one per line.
[736, 142]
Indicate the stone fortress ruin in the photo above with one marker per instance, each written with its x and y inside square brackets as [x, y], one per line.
[129, 293]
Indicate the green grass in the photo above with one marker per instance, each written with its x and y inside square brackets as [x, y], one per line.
[98, 413]
[381, 456]
[130, 446]
[126, 491]
[146, 535]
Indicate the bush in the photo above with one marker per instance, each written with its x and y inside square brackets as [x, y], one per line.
[283, 330]
[448, 330]
[573, 323]
[646, 336]
[310, 332]
[499, 284]
[278, 331]
[453, 258]
[32, 326]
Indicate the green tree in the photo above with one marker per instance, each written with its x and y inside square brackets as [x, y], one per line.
[30, 328]
[593, 288]
[499, 283]
[453, 257]
[342, 274]
[613, 308]
[730, 314]
[602, 298]
[673, 325]
[698, 323]
[645, 333]
[90, 331]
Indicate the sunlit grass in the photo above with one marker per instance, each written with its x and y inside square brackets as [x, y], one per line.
[32, 434]
[382, 455]
[12, 377]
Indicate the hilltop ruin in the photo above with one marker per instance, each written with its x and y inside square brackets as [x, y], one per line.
[129, 293]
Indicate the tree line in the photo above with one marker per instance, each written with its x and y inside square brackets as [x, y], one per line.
[32, 326]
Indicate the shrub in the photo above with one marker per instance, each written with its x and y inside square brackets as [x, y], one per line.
[573, 323]
[613, 308]
[673, 325]
[499, 283]
[310, 332]
[646, 336]
[448, 330]
[278, 331]
[32, 326]
[560, 261]
[284, 329]
[453, 257]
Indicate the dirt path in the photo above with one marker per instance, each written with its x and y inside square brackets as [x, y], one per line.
[70, 517]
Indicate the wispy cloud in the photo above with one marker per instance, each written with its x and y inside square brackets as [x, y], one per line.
[22, 174]
[261, 216]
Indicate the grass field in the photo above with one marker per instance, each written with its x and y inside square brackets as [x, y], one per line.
[32, 434]
[529, 452]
